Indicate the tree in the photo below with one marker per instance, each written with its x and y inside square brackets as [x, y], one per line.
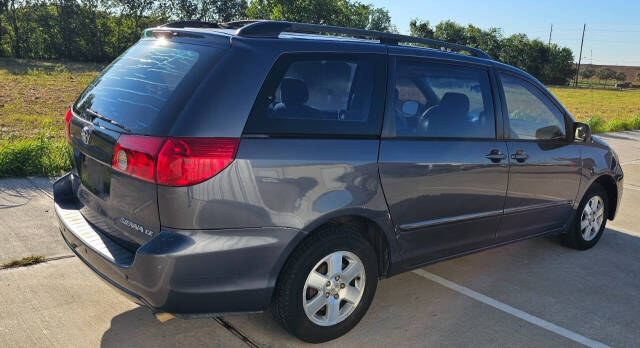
[638, 76]
[559, 68]
[100, 30]
[420, 28]
[450, 31]
[380, 19]
[587, 73]
[486, 40]
[136, 10]
[514, 50]
[549, 63]
[207, 10]
[605, 74]
[11, 11]
[620, 76]
[346, 13]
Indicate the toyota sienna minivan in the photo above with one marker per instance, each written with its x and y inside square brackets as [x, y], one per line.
[242, 166]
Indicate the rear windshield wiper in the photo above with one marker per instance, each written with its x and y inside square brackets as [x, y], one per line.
[97, 115]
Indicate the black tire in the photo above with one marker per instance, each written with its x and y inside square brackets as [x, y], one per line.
[574, 238]
[287, 305]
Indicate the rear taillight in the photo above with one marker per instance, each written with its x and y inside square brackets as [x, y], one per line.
[67, 124]
[173, 161]
[188, 161]
[136, 156]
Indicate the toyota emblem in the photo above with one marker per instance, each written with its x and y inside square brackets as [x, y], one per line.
[86, 135]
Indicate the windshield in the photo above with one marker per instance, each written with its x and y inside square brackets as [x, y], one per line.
[146, 87]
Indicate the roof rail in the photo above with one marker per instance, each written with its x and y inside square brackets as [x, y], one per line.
[201, 24]
[273, 29]
[190, 24]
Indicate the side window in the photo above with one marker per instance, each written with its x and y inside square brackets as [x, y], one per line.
[531, 114]
[440, 100]
[321, 94]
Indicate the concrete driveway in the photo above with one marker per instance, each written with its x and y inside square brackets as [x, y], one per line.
[532, 293]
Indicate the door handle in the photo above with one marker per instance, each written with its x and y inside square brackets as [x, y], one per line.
[519, 156]
[496, 156]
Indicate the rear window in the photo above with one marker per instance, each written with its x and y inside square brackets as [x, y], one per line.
[321, 94]
[146, 87]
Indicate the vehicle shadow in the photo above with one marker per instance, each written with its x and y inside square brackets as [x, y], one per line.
[593, 292]
[139, 328]
[539, 276]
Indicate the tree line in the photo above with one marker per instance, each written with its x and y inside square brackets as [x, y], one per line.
[605, 74]
[551, 64]
[99, 30]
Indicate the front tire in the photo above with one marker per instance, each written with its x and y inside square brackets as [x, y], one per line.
[590, 220]
[327, 285]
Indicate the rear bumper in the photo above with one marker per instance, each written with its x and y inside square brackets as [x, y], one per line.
[189, 273]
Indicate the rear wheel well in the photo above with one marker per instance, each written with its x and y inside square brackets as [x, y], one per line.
[371, 232]
[609, 185]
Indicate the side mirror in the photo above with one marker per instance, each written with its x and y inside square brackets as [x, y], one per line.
[581, 132]
[550, 132]
[410, 107]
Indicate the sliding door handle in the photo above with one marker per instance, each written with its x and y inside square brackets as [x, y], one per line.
[496, 156]
[519, 156]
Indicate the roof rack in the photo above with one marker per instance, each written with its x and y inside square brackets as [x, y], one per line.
[201, 24]
[190, 24]
[273, 29]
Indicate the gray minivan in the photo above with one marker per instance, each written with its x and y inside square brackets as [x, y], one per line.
[238, 166]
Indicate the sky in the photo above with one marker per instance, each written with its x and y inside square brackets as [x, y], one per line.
[612, 31]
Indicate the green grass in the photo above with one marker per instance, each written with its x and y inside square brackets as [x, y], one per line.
[34, 91]
[25, 261]
[42, 154]
[34, 97]
[603, 110]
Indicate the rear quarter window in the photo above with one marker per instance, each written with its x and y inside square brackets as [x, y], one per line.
[146, 87]
[323, 94]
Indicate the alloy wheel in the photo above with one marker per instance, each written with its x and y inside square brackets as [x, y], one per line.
[333, 288]
[592, 218]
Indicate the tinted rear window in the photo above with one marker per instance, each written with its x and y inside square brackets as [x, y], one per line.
[146, 87]
[321, 94]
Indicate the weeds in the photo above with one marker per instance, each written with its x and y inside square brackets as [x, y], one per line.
[598, 125]
[25, 261]
[40, 155]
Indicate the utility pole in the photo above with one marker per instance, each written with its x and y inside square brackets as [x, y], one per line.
[550, 31]
[580, 57]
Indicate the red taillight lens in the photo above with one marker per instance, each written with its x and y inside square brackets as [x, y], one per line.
[67, 124]
[188, 161]
[173, 161]
[136, 155]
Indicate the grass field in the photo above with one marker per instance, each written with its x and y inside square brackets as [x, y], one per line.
[33, 91]
[607, 104]
[35, 95]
